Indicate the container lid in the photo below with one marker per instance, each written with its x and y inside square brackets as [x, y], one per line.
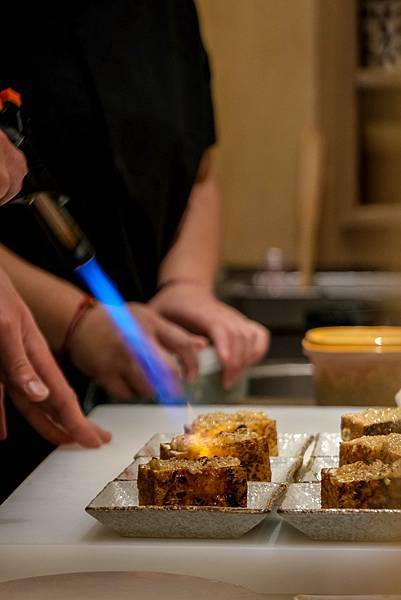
[377, 339]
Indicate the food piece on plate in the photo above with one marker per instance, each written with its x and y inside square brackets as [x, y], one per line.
[369, 448]
[213, 423]
[373, 421]
[362, 485]
[251, 449]
[183, 482]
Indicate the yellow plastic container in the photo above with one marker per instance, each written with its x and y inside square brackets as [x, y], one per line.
[355, 365]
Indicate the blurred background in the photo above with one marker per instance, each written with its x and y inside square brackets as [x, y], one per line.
[308, 107]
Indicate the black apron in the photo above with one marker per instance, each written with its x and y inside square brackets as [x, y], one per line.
[119, 98]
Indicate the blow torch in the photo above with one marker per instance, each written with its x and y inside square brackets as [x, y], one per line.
[39, 192]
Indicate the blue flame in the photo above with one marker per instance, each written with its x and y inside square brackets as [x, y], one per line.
[158, 374]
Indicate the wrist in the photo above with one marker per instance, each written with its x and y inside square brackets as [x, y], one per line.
[85, 305]
[182, 281]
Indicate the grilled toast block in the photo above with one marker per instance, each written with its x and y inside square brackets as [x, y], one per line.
[203, 482]
[251, 449]
[373, 421]
[369, 448]
[213, 423]
[362, 485]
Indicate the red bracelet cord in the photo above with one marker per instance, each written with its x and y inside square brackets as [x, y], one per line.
[85, 304]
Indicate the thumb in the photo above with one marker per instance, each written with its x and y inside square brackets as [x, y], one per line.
[18, 372]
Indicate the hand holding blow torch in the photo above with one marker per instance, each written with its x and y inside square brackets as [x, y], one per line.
[39, 190]
[49, 208]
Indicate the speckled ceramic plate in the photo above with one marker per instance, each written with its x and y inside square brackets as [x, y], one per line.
[301, 507]
[289, 444]
[117, 504]
[313, 472]
[327, 444]
[117, 507]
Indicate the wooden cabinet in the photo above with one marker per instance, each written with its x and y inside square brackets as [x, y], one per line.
[280, 68]
[359, 113]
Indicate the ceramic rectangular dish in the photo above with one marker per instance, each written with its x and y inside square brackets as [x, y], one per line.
[312, 474]
[302, 509]
[116, 506]
[327, 444]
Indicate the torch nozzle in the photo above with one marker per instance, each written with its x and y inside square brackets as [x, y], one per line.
[60, 226]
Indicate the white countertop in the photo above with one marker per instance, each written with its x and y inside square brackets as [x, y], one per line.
[44, 529]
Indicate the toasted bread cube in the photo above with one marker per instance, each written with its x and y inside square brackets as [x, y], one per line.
[369, 448]
[213, 423]
[362, 485]
[373, 421]
[203, 482]
[251, 449]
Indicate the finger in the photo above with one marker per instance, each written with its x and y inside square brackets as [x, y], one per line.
[4, 185]
[18, 170]
[11, 177]
[71, 418]
[5, 178]
[235, 365]
[254, 341]
[41, 422]
[17, 369]
[136, 381]
[3, 421]
[260, 344]
[252, 355]
[221, 341]
[199, 341]
[116, 386]
[105, 436]
[63, 402]
[149, 390]
[249, 334]
[225, 344]
[185, 345]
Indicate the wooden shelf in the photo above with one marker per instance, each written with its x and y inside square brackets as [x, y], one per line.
[378, 78]
[373, 216]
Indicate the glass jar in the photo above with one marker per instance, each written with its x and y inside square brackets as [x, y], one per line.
[380, 33]
[355, 365]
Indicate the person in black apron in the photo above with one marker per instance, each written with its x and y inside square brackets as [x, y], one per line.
[119, 99]
[27, 367]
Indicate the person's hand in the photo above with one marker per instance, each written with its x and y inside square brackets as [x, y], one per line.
[239, 342]
[34, 381]
[13, 169]
[98, 350]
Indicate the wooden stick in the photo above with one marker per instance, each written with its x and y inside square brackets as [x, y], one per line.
[310, 187]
